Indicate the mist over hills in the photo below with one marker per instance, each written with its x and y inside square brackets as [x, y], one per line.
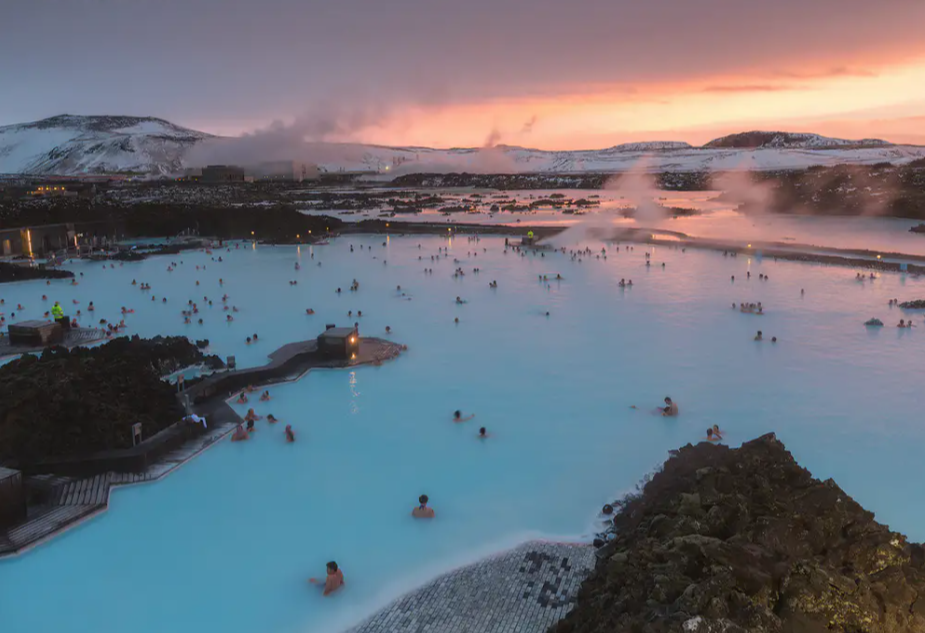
[80, 145]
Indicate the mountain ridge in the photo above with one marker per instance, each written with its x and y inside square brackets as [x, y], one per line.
[69, 144]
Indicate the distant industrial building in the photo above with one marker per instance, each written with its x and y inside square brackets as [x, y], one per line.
[222, 174]
[284, 171]
[61, 190]
[190, 174]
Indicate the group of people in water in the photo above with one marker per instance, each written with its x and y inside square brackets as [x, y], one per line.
[242, 431]
[750, 308]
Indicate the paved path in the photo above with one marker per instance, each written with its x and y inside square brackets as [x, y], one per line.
[524, 590]
[72, 500]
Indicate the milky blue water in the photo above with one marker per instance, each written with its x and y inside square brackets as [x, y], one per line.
[227, 542]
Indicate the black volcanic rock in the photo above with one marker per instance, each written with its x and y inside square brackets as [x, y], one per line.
[735, 540]
[71, 403]
[918, 304]
[15, 272]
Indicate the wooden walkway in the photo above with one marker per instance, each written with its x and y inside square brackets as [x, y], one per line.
[70, 501]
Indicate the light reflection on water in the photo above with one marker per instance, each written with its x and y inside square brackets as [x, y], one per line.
[236, 532]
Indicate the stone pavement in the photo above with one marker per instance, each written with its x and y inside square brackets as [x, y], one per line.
[524, 590]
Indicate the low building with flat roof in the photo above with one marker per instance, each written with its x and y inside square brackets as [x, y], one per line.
[284, 171]
[222, 174]
[339, 342]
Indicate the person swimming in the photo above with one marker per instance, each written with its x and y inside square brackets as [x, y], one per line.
[250, 426]
[271, 418]
[265, 396]
[242, 399]
[422, 511]
[290, 434]
[239, 434]
[483, 433]
[716, 432]
[670, 409]
[333, 581]
[457, 416]
[251, 416]
[758, 336]
[711, 437]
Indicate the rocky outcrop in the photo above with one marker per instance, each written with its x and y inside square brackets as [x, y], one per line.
[745, 540]
[71, 403]
[918, 304]
[15, 272]
[141, 252]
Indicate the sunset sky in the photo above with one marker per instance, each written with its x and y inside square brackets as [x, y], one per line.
[553, 74]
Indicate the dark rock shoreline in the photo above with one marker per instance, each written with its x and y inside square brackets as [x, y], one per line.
[71, 403]
[15, 272]
[746, 540]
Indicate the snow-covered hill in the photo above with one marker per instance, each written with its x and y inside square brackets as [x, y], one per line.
[397, 160]
[791, 140]
[73, 145]
[69, 144]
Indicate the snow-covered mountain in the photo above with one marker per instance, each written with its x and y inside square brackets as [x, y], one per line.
[790, 140]
[75, 145]
[70, 144]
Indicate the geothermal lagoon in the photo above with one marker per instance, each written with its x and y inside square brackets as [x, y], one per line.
[229, 540]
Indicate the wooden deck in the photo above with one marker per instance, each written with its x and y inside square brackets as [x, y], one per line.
[71, 501]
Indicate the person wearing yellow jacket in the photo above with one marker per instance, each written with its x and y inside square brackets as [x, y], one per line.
[57, 311]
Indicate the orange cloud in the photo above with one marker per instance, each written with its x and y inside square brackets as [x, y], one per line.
[751, 88]
[837, 71]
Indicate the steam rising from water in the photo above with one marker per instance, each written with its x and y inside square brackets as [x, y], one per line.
[637, 188]
[303, 140]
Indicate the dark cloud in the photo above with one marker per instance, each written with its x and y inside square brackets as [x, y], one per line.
[528, 126]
